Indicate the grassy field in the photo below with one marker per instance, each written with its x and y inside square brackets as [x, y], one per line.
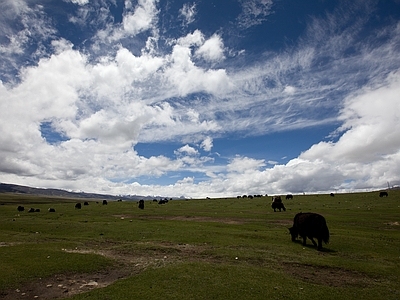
[198, 249]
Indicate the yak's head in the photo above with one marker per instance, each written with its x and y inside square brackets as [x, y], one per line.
[293, 232]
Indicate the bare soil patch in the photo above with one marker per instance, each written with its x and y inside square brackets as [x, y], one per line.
[196, 219]
[63, 286]
[287, 223]
[329, 276]
[127, 263]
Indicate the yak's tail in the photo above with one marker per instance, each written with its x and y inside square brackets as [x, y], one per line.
[325, 236]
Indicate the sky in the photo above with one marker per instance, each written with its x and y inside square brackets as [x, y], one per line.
[200, 98]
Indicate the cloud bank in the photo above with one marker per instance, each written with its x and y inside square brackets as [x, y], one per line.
[129, 83]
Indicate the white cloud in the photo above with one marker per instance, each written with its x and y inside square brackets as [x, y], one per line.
[254, 12]
[80, 2]
[207, 144]
[212, 50]
[289, 90]
[32, 30]
[142, 17]
[188, 150]
[106, 104]
[188, 12]
[244, 164]
[192, 39]
[187, 78]
[371, 125]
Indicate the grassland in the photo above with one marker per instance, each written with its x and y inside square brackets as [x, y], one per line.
[198, 249]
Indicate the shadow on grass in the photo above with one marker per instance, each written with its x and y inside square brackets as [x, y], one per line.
[311, 246]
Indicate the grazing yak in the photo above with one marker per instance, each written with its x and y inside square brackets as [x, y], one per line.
[105, 202]
[78, 206]
[31, 210]
[52, 210]
[277, 203]
[289, 196]
[85, 203]
[383, 194]
[141, 204]
[310, 225]
[20, 208]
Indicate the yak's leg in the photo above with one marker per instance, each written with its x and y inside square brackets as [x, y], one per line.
[304, 240]
[312, 240]
[319, 244]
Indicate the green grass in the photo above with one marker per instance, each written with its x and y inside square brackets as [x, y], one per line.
[207, 249]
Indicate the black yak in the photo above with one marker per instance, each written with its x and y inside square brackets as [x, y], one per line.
[78, 206]
[105, 202]
[31, 210]
[277, 203]
[51, 210]
[20, 208]
[310, 225]
[289, 196]
[383, 194]
[141, 204]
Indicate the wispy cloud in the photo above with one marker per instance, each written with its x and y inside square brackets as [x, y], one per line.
[254, 12]
[188, 12]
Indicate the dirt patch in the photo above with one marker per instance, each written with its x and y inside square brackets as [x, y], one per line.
[329, 276]
[3, 244]
[196, 219]
[122, 217]
[63, 286]
[287, 223]
[127, 263]
[393, 223]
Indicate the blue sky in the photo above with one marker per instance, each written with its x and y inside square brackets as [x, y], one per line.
[200, 98]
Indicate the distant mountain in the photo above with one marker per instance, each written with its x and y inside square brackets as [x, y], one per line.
[20, 189]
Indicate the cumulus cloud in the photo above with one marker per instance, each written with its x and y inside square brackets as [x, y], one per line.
[244, 164]
[369, 147]
[207, 144]
[212, 49]
[187, 150]
[80, 2]
[192, 39]
[141, 18]
[136, 19]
